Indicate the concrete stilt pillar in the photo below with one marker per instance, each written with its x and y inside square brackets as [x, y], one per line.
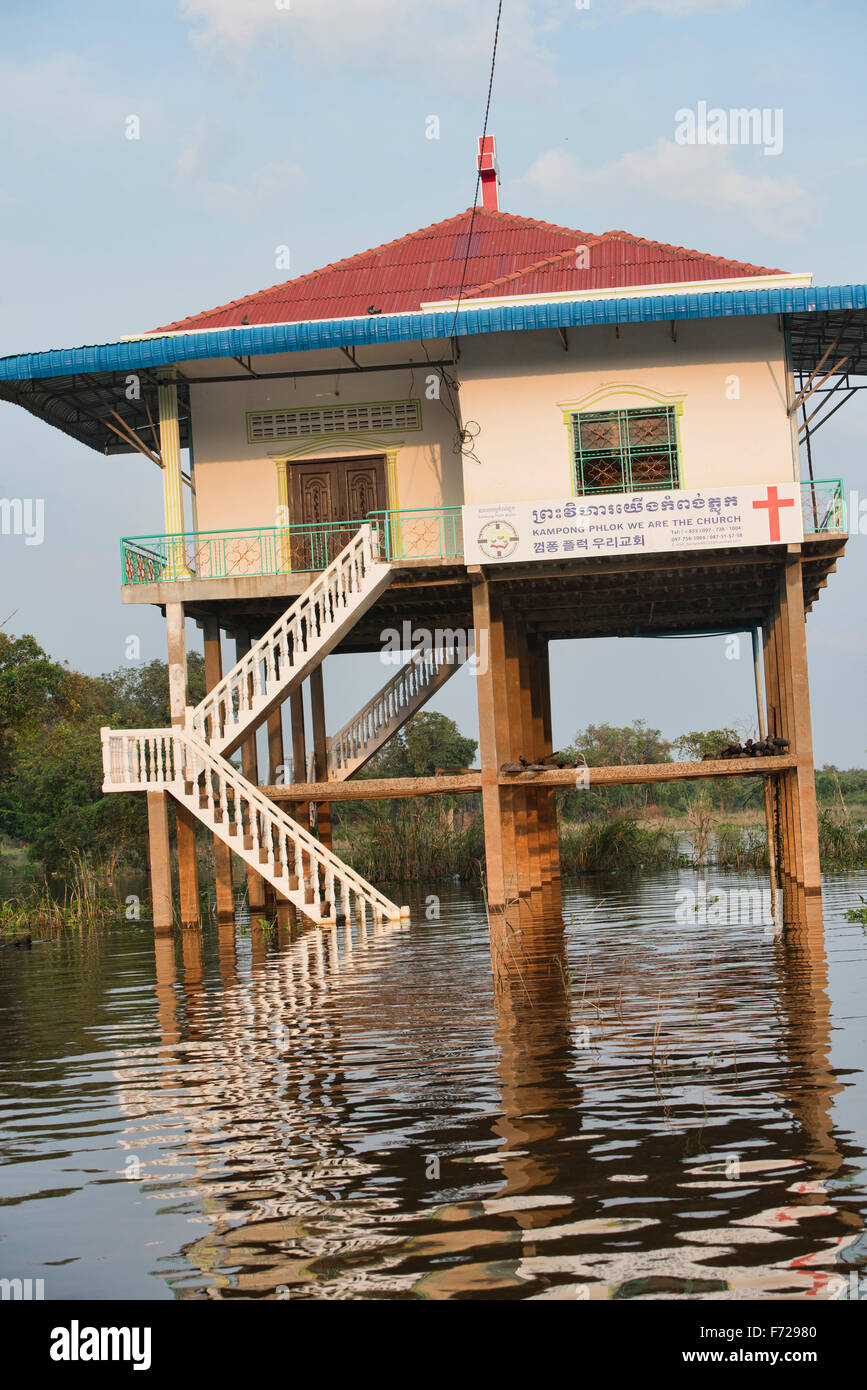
[541, 697]
[300, 809]
[250, 769]
[185, 821]
[320, 750]
[532, 750]
[173, 490]
[276, 903]
[222, 853]
[520, 824]
[787, 686]
[499, 857]
[160, 861]
[516, 749]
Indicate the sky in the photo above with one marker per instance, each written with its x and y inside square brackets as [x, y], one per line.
[304, 123]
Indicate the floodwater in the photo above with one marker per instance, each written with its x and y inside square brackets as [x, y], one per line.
[652, 1108]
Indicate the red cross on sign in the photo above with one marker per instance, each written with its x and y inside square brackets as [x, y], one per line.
[773, 504]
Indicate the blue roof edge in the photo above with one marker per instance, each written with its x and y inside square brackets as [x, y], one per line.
[268, 339]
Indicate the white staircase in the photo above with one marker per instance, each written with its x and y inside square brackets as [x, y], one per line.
[374, 724]
[300, 639]
[287, 856]
[191, 763]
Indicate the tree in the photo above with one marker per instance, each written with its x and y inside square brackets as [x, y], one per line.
[426, 742]
[607, 745]
[698, 744]
[50, 755]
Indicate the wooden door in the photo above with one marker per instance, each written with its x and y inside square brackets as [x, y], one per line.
[328, 491]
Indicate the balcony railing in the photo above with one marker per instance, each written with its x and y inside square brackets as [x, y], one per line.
[824, 506]
[423, 533]
[243, 554]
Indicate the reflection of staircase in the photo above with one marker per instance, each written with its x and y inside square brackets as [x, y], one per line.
[191, 763]
[300, 639]
[287, 856]
[390, 708]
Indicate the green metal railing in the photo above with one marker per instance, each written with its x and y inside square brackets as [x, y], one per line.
[823, 505]
[422, 533]
[246, 553]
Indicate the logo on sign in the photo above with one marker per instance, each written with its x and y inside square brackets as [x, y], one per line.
[498, 539]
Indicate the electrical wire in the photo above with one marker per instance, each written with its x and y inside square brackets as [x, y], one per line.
[464, 441]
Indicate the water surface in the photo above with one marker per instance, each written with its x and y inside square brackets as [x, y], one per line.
[652, 1108]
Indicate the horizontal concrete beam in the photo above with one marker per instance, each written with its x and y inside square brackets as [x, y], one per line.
[385, 788]
[628, 774]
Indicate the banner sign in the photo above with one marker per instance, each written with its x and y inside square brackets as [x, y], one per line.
[515, 532]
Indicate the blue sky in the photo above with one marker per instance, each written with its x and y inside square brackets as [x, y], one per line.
[303, 124]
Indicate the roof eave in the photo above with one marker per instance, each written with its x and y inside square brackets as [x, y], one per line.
[317, 334]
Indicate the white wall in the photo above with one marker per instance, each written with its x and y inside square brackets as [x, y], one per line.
[514, 386]
[236, 482]
[728, 375]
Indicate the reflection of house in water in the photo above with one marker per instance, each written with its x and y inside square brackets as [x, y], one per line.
[685, 1149]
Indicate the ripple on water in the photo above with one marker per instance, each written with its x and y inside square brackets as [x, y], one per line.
[653, 1109]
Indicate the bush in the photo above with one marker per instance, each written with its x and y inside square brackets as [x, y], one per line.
[618, 843]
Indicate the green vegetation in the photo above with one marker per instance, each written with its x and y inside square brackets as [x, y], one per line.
[81, 902]
[619, 842]
[425, 838]
[72, 840]
[51, 758]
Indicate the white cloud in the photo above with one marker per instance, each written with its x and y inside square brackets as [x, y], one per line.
[702, 174]
[686, 7]
[200, 174]
[452, 38]
[63, 97]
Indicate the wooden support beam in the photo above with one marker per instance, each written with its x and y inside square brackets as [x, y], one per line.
[222, 854]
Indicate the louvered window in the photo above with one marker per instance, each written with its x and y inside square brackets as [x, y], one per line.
[341, 419]
[632, 450]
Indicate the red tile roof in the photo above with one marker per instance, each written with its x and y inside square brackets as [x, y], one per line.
[508, 256]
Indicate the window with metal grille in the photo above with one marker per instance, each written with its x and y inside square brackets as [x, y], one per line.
[632, 450]
[342, 419]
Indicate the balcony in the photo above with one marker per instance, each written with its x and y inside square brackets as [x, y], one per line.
[426, 533]
[419, 534]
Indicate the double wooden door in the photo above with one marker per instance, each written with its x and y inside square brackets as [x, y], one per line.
[329, 491]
